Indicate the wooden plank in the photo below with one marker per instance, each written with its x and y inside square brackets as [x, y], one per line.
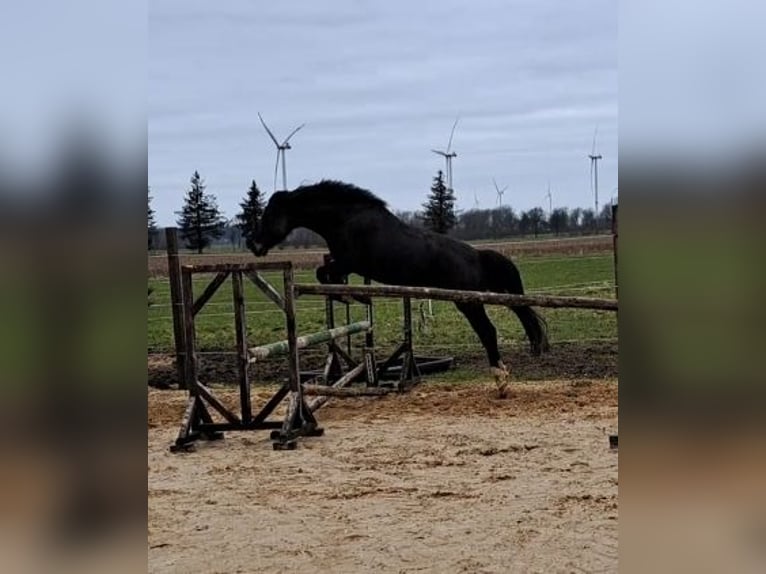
[186, 421]
[369, 339]
[213, 401]
[614, 248]
[288, 426]
[218, 427]
[342, 382]
[190, 343]
[282, 347]
[350, 362]
[392, 359]
[209, 291]
[325, 391]
[240, 327]
[259, 419]
[293, 366]
[243, 267]
[439, 294]
[176, 303]
[267, 288]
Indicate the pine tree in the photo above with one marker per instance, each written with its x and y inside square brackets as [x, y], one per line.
[200, 220]
[151, 223]
[439, 214]
[250, 216]
[536, 219]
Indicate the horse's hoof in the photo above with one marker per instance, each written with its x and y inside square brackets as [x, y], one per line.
[501, 376]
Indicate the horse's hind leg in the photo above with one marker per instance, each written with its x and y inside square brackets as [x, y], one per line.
[487, 333]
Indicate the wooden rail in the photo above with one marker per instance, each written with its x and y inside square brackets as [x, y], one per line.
[282, 347]
[456, 295]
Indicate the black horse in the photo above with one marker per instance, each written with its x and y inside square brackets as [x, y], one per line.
[365, 238]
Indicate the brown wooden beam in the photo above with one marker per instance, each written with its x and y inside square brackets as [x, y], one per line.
[209, 291]
[243, 267]
[267, 288]
[325, 391]
[438, 294]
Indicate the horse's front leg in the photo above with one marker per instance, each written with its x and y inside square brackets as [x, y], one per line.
[332, 274]
[487, 333]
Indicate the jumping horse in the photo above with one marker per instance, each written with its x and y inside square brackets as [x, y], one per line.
[365, 238]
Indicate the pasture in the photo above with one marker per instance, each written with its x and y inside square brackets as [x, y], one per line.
[584, 341]
[445, 478]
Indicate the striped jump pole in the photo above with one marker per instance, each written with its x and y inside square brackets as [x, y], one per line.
[282, 347]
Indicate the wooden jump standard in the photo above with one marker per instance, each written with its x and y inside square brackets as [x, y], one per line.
[197, 421]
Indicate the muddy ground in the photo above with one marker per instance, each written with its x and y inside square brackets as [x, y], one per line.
[575, 360]
[446, 478]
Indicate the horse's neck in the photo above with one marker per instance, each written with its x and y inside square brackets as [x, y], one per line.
[324, 220]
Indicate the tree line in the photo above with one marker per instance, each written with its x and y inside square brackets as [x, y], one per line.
[201, 223]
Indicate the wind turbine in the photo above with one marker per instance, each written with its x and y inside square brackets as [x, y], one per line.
[550, 200]
[500, 193]
[594, 157]
[475, 201]
[281, 149]
[448, 155]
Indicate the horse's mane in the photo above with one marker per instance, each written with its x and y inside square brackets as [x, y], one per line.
[340, 193]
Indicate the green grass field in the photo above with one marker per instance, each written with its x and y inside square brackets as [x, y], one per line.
[561, 275]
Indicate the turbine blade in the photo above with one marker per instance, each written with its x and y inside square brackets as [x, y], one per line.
[439, 152]
[292, 133]
[271, 135]
[497, 187]
[452, 133]
[595, 133]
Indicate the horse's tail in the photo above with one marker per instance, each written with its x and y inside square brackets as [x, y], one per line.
[502, 276]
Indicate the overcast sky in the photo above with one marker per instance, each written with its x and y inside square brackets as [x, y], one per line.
[379, 84]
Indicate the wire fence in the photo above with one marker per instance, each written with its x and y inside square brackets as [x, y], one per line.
[522, 241]
[160, 352]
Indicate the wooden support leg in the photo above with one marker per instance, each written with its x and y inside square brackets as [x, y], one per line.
[410, 374]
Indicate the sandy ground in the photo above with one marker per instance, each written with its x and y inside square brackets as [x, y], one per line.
[445, 479]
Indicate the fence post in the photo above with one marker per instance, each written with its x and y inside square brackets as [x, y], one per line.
[292, 335]
[176, 303]
[614, 246]
[240, 325]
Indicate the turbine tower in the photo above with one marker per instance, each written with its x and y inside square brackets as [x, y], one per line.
[500, 193]
[594, 157]
[550, 200]
[475, 201]
[448, 155]
[281, 149]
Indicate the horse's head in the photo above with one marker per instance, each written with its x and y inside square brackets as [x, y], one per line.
[276, 223]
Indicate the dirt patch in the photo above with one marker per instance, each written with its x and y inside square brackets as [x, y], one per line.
[447, 478]
[593, 360]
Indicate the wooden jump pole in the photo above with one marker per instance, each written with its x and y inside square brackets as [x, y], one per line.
[434, 293]
[324, 390]
[614, 246]
[342, 382]
[176, 303]
[190, 343]
[291, 345]
[240, 326]
[282, 347]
